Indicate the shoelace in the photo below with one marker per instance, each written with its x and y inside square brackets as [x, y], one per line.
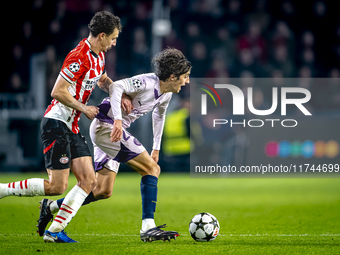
[162, 226]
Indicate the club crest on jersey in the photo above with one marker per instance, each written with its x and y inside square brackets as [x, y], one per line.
[64, 160]
[74, 67]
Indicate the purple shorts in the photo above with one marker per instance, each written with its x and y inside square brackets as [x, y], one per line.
[108, 154]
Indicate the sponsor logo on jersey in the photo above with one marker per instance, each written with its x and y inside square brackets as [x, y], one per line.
[89, 84]
[68, 73]
[130, 85]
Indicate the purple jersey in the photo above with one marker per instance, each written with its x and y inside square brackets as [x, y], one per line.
[146, 97]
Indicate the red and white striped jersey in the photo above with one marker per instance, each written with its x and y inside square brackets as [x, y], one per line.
[82, 68]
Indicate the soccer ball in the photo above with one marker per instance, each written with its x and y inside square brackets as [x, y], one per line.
[204, 227]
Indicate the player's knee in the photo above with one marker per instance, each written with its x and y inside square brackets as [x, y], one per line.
[151, 168]
[92, 182]
[155, 170]
[88, 184]
[104, 194]
[58, 189]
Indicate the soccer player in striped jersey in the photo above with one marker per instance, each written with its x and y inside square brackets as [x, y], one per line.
[113, 144]
[64, 147]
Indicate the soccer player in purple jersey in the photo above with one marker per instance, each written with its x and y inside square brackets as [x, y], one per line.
[114, 145]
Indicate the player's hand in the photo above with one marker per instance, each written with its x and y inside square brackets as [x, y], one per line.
[126, 104]
[155, 155]
[91, 112]
[117, 131]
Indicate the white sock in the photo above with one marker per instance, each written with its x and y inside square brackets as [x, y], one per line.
[54, 207]
[148, 224]
[73, 201]
[26, 188]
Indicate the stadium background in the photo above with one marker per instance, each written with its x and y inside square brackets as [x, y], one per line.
[235, 38]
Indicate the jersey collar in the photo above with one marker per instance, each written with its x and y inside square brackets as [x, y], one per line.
[92, 52]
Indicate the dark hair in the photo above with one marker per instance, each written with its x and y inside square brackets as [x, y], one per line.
[104, 22]
[170, 61]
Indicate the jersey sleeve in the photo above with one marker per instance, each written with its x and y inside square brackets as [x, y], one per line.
[116, 92]
[158, 119]
[73, 68]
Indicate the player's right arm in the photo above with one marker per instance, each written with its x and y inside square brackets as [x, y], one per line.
[116, 90]
[60, 92]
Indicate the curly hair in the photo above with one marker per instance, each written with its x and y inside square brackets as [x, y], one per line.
[104, 22]
[170, 61]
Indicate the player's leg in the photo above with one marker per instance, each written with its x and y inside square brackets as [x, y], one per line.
[105, 181]
[81, 166]
[56, 156]
[129, 150]
[58, 181]
[84, 172]
[25, 188]
[56, 185]
[106, 171]
[149, 170]
[103, 190]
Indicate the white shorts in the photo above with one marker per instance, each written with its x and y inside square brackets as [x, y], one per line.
[108, 154]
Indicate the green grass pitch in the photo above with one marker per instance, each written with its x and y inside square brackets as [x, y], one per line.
[257, 216]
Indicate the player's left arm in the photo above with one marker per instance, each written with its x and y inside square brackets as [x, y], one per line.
[158, 120]
[116, 90]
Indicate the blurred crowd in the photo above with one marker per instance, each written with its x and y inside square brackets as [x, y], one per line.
[234, 38]
[244, 39]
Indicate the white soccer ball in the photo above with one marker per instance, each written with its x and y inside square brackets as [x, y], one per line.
[204, 227]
